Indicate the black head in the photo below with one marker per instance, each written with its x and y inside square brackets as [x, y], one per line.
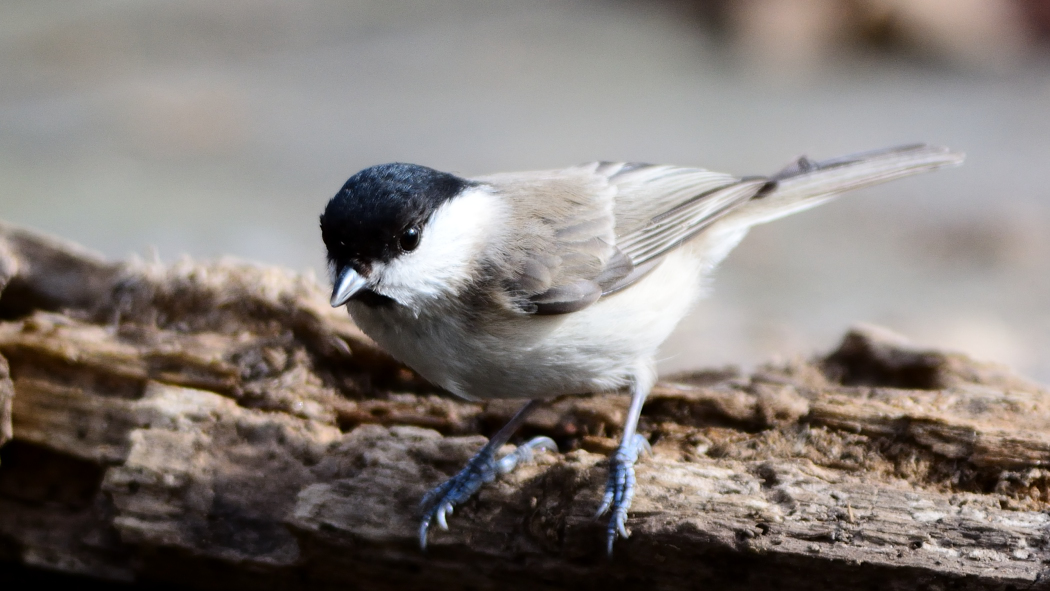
[381, 211]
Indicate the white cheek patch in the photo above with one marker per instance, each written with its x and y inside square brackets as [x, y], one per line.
[449, 246]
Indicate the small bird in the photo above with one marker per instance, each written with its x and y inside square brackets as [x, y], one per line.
[533, 285]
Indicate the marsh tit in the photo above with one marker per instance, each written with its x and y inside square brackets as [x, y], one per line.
[539, 284]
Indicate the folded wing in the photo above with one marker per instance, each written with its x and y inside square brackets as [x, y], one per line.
[594, 229]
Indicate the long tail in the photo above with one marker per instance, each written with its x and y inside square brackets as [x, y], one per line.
[805, 183]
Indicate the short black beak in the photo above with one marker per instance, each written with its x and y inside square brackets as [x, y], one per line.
[347, 283]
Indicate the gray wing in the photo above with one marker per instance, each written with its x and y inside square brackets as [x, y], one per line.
[674, 205]
[594, 229]
[563, 253]
[570, 250]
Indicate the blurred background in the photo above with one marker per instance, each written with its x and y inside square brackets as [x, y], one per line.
[200, 128]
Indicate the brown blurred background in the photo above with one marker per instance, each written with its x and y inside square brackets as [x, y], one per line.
[212, 128]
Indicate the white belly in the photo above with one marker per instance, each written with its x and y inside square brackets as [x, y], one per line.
[501, 354]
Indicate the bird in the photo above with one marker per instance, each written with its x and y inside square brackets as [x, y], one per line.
[540, 284]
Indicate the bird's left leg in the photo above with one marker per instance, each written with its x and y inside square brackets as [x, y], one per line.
[619, 490]
[483, 467]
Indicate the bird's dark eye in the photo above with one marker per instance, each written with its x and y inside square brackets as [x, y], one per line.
[409, 239]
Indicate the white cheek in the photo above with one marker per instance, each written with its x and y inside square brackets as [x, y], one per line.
[449, 247]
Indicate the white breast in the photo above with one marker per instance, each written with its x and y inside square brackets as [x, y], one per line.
[502, 354]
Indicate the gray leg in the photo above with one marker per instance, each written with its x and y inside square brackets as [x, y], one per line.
[619, 490]
[483, 467]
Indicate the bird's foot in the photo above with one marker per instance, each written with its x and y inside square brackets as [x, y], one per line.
[483, 467]
[619, 490]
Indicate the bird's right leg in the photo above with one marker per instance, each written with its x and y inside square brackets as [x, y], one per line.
[483, 467]
[619, 489]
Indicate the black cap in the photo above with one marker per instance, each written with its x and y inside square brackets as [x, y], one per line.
[363, 223]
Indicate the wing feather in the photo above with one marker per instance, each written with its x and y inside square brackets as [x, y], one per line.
[563, 252]
[670, 229]
[591, 230]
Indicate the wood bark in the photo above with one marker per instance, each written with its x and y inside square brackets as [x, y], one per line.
[218, 425]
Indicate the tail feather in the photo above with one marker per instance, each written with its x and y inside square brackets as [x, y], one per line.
[805, 183]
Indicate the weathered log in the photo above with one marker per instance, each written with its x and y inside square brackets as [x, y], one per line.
[218, 425]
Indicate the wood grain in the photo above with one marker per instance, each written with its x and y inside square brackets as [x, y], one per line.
[217, 425]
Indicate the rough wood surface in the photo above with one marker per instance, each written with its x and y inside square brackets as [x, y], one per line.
[219, 426]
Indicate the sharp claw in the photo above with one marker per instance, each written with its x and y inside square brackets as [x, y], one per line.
[423, 527]
[541, 444]
[524, 453]
[439, 502]
[643, 443]
[442, 509]
[606, 503]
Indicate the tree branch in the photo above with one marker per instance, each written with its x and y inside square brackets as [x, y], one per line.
[218, 425]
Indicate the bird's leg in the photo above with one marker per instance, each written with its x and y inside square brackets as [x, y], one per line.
[619, 490]
[483, 467]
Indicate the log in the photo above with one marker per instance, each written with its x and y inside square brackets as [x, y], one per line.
[217, 425]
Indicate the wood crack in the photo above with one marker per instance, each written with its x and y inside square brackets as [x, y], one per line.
[220, 418]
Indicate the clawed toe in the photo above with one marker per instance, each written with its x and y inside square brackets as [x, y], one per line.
[619, 489]
[440, 501]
